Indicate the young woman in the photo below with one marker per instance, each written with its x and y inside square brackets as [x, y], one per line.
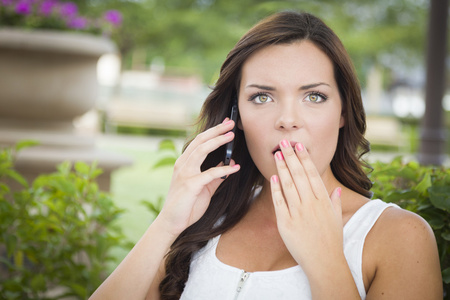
[290, 217]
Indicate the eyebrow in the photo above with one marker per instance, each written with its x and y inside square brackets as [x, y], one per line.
[313, 85]
[303, 87]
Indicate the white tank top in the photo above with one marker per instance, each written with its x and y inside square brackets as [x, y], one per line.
[209, 278]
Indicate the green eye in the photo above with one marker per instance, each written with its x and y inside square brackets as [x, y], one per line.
[316, 97]
[263, 98]
[260, 98]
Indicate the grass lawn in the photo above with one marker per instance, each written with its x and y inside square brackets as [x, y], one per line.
[130, 185]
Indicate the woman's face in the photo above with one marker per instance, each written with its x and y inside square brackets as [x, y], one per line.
[288, 91]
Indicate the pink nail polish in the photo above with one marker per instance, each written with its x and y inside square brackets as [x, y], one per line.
[225, 120]
[274, 179]
[285, 144]
[339, 192]
[279, 155]
[299, 147]
[228, 133]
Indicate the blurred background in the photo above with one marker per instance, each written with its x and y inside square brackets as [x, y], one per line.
[169, 52]
[154, 64]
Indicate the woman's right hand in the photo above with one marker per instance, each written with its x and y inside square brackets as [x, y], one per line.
[191, 189]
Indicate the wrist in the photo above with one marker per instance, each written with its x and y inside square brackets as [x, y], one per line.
[326, 266]
[166, 228]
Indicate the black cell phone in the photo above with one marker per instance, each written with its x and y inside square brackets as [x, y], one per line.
[229, 146]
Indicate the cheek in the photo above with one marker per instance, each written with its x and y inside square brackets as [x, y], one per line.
[253, 132]
[323, 143]
[257, 136]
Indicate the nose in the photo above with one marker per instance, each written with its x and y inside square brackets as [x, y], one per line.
[289, 117]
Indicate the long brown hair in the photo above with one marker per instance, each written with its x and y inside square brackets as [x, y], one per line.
[233, 198]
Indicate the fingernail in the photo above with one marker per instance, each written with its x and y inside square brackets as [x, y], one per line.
[279, 155]
[339, 191]
[285, 144]
[299, 147]
[236, 166]
[228, 133]
[274, 179]
[225, 120]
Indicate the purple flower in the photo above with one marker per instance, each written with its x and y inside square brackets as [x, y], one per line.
[68, 9]
[47, 6]
[114, 17]
[77, 23]
[23, 7]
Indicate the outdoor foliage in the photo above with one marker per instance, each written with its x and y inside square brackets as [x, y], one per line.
[168, 155]
[55, 234]
[424, 190]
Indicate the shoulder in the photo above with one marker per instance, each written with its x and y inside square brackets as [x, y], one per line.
[401, 234]
[405, 255]
[403, 229]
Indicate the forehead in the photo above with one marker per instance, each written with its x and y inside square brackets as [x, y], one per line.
[297, 63]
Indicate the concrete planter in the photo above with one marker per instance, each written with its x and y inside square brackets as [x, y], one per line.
[47, 78]
[48, 75]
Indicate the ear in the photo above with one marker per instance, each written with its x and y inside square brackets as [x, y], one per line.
[239, 124]
[342, 121]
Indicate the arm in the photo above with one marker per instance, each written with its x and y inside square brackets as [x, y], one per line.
[407, 262]
[189, 195]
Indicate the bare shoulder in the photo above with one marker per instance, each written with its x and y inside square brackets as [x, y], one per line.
[405, 257]
[404, 227]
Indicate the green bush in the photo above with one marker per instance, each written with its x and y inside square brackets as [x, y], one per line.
[424, 190]
[55, 234]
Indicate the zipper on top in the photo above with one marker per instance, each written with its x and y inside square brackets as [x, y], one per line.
[243, 278]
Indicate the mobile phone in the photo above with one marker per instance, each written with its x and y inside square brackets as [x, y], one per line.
[229, 146]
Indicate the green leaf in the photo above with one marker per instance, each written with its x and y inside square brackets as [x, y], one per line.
[11, 244]
[96, 172]
[446, 236]
[12, 285]
[446, 275]
[64, 167]
[164, 162]
[167, 145]
[38, 283]
[4, 189]
[424, 184]
[440, 197]
[17, 177]
[408, 174]
[25, 144]
[63, 185]
[82, 168]
[79, 290]
[154, 208]
[396, 196]
[18, 259]
[435, 219]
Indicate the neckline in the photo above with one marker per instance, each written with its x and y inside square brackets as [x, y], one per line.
[217, 261]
